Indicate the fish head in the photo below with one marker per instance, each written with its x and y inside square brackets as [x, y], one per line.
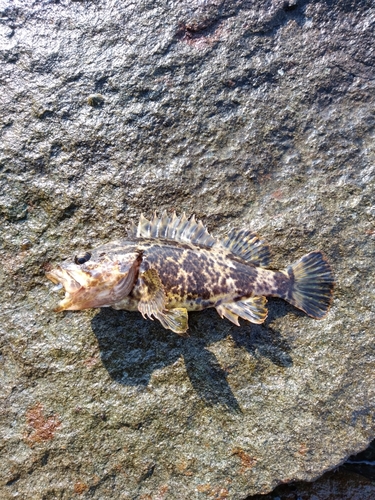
[97, 279]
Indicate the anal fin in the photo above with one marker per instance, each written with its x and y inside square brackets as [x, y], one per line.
[224, 312]
[252, 309]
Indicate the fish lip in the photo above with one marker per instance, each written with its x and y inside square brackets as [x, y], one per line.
[64, 304]
[50, 275]
[59, 275]
[65, 278]
[76, 280]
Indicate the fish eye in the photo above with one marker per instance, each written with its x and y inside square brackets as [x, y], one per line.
[82, 258]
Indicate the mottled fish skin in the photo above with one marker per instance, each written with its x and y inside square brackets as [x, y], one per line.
[168, 266]
[196, 277]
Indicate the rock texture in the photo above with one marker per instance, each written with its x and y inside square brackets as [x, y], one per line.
[255, 114]
[354, 480]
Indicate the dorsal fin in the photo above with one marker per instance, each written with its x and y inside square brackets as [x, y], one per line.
[173, 228]
[248, 246]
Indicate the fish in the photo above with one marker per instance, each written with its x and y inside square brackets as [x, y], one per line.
[170, 265]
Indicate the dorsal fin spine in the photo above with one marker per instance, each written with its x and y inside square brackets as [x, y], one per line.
[171, 227]
[248, 246]
[143, 227]
[175, 228]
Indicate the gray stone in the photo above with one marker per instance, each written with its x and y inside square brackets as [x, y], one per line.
[249, 114]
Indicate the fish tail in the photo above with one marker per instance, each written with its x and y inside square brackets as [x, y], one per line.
[311, 283]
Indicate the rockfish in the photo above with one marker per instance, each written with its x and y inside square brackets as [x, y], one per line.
[171, 265]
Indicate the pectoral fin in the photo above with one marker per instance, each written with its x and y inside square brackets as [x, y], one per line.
[152, 303]
[252, 309]
[152, 293]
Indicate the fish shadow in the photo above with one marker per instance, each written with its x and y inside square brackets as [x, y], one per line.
[132, 349]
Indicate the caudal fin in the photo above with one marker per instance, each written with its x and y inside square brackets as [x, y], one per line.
[311, 284]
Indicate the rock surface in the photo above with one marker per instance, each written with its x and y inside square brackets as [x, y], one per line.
[354, 480]
[255, 114]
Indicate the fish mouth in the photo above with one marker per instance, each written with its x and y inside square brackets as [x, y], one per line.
[72, 286]
[99, 286]
[63, 277]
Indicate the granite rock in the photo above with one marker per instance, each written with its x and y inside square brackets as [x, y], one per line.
[247, 114]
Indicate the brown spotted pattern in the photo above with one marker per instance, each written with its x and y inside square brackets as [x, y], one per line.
[273, 283]
[197, 278]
